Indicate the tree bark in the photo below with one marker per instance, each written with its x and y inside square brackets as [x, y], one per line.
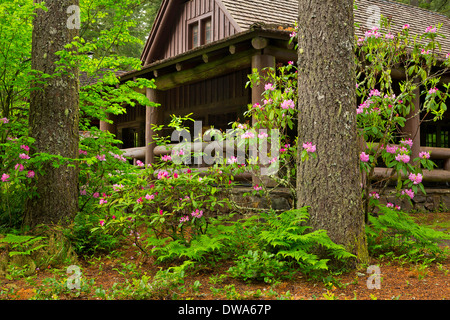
[54, 118]
[330, 184]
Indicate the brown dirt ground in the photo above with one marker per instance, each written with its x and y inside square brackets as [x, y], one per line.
[399, 280]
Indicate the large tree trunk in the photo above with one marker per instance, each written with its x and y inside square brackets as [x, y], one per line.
[54, 118]
[330, 184]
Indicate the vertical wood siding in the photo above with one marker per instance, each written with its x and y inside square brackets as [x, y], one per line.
[220, 95]
[220, 24]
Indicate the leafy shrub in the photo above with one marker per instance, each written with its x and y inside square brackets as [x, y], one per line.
[85, 241]
[257, 265]
[289, 237]
[394, 231]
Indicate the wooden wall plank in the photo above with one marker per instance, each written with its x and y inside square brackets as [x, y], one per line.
[178, 39]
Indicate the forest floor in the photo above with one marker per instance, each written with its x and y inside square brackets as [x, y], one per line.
[107, 277]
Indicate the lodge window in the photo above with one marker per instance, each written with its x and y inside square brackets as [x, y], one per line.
[199, 32]
[193, 30]
[206, 31]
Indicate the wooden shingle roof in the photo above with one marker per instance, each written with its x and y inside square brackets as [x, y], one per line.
[285, 12]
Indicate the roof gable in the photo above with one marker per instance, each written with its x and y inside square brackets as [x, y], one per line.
[170, 32]
[168, 35]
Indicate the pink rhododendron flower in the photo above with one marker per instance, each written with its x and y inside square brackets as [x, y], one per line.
[83, 192]
[24, 147]
[118, 157]
[248, 134]
[389, 36]
[82, 152]
[4, 120]
[30, 174]
[309, 147]
[101, 157]
[197, 214]
[408, 142]
[257, 187]
[374, 195]
[375, 93]
[391, 149]
[415, 178]
[430, 29]
[102, 222]
[184, 219]
[19, 166]
[405, 26]
[364, 157]
[288, 104]
[96, 195]
[24, 156]
[140, 200]
[433, 90]
[263, 135]
[149, 196]
[103, 201]
[163, 174]
[232, 160]
[268, 101]
[408, 192]
[139, 163]
[269, 86]
[390, 205]
[402, 158]
[166, 158]
[5, 177]
[424, 155]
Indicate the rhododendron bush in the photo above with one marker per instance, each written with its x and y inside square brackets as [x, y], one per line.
[384, 105]
[171, 202]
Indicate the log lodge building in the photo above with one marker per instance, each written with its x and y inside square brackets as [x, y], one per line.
[200, 52]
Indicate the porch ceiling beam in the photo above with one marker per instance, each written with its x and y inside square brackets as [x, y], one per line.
[281, 54]
[203, 71]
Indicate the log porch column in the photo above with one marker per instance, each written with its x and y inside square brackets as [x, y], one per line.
[111, 127]
[151, 117]
[412, 125]
[259, 62]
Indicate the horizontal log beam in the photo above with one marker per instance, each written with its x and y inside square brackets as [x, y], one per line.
[428, 176]
[203, 71]
[435, 152]
[281, 54]
[135, 153]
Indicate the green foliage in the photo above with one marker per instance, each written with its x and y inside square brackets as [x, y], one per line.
[288, 234]
[87, 242]
[21, 244]
[394, 231]
[202, 248]
[257, 265]
[166, 284]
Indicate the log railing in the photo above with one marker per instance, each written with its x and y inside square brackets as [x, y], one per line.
[437, 175]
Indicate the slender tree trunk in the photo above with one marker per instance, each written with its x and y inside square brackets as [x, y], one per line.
[330, 184]
[54, 118]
